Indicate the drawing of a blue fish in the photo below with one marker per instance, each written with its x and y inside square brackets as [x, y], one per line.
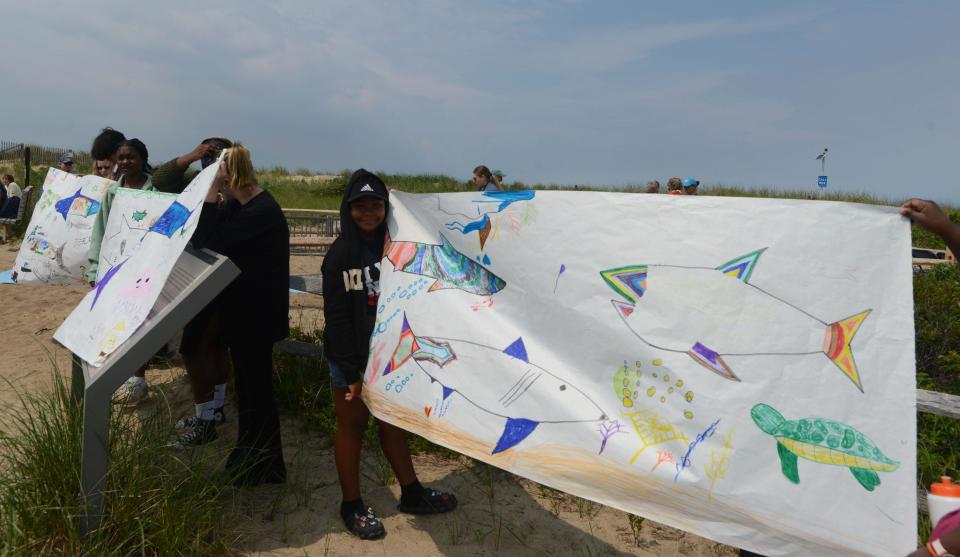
[77, 204]
[512, 388]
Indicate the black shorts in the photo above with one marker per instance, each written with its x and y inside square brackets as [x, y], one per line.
[203, 332]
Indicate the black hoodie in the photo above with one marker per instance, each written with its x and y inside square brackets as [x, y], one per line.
[347, 332]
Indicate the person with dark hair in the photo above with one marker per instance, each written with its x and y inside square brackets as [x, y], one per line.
[132, 160]
[173, 176]
[484, 179]
[11, 198]
[675, 186]
[104, 152]
[351, 289]
[250, 229]
[204, 354]
[653, 186]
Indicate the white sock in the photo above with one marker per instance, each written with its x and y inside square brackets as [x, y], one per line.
[219, 394]
[205, 410]
[135, 379]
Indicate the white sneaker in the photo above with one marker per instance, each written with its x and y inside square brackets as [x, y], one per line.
[131, 393]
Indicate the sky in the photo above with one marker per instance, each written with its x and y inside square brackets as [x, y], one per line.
[556, 92]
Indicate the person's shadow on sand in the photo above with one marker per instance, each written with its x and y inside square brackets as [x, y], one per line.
[498, 513]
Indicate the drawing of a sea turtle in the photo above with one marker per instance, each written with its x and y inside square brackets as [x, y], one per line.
[824, 441]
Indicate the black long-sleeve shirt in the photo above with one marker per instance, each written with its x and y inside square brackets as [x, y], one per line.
[256, 238]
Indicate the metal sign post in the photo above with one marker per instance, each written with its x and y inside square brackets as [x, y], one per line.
[196, 279]
[822, 179]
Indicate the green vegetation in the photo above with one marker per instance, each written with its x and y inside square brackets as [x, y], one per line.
[155, 502]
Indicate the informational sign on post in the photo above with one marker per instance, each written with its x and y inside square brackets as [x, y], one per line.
[196, 278]
[822, 181]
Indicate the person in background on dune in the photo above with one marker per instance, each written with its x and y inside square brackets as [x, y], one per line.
[351, 290]
[691, 186]
[66, 163]
[653, 186]
[484, 179]
[675, 186]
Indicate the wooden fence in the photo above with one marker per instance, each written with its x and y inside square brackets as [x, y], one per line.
[12, 151]
[312, 230]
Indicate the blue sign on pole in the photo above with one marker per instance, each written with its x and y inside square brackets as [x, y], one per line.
[822, 181]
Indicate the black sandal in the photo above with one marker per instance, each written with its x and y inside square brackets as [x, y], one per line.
[431, 502]
[366, 525]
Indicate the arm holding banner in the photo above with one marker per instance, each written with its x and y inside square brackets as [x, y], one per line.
[96, 237]
[931, 217]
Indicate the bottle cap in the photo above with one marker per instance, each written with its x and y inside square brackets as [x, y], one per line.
[945, 488]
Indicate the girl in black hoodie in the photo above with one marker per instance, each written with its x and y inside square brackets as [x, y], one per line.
[351, 288]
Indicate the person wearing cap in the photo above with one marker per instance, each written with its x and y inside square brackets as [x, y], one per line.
[351, 290]
[675, 186]
[498, 177]
[484, 179]
[250, 229]
[66, 162]
[690, 186]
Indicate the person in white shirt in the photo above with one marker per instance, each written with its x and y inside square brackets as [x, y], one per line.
[13, 190]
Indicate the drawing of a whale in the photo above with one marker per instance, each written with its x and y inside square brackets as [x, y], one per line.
[443, 262]
[712, 312]
[512, 388]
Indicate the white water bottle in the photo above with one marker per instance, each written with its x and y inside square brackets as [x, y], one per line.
[943, 498]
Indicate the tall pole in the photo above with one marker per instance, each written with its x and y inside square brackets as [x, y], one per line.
[26, 168]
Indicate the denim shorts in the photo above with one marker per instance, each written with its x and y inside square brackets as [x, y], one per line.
[337, 379]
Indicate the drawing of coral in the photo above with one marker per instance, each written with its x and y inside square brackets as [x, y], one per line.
[531, 395]
[653, 430]
[824, 441]
[633, 385]
[729, 316]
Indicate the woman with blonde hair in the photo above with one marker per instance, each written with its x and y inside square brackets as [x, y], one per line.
[250, 229]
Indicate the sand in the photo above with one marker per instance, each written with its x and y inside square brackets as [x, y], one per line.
[499, 514]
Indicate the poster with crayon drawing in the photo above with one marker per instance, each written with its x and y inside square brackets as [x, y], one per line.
[132, 214]
[112, 311]
[57, 240]
[738, 368]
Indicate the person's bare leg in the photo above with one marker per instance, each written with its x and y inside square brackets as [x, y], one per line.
[352, 417]
[393, 441]
[202, 375]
